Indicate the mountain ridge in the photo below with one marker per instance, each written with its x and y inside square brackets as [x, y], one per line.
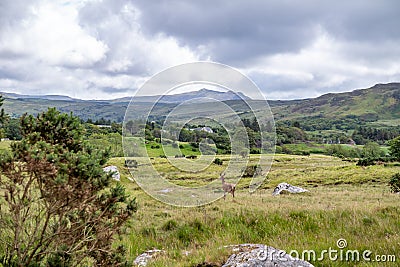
[202, 93]
[379, 102]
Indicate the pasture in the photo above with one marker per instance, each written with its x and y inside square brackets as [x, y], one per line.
[344, 201]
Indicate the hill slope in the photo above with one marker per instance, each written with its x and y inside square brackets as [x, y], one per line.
[380, 102]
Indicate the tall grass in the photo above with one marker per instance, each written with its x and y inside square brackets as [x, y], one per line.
[345, 201]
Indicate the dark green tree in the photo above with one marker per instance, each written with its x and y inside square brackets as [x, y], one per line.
[12, 129]
[3, 116]
[372, 150]
[57, 205]
[394, 147]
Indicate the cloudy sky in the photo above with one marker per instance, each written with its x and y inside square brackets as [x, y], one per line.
[93, 49]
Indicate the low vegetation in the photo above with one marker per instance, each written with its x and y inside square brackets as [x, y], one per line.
[345, 201]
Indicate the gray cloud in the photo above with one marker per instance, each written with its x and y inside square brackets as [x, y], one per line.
[240, 31]
[108, 48]
[233, 32]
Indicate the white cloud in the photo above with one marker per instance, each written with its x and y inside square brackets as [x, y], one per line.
[108, 48]
[51, 35]
[324, 66]
[54, 49]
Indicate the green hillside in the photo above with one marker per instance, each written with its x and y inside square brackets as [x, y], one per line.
[378, 104]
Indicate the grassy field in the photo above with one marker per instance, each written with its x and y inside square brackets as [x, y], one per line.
[345, 201]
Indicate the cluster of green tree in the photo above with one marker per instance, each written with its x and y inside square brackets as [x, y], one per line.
[319, 123]
[369, 150]
[3, 119]
[332, 131]
[100, 121]
[58, 207]
[289, 135]
[11, 129]
[374, 158]
[251, 124]
[114, 127]
[193, 135]
[364, 134]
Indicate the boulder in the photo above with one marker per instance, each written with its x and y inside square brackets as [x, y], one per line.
[289, 188]
[257, 255]
[114, 169]
[143, 258]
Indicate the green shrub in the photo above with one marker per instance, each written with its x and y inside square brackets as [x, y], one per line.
[250, 171]
[394, 183]
[365, 162]
[217, 161]
[170, 225]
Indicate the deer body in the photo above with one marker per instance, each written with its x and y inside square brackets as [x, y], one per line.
[227, 187]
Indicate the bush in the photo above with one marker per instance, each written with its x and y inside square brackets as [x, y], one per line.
[365, 162]
[372, 150]
[194, 144]
[395, 147]
[170, 225]
[250, 171]
[394, 183]
[58, 204]
[255, 151]
[217, 161]
[131, 163]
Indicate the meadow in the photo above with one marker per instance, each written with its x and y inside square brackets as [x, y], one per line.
[344, 201]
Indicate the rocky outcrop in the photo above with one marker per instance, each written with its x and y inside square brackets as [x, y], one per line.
[257, 255]
[289, 188]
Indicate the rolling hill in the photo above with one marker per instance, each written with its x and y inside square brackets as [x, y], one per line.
[380, 103]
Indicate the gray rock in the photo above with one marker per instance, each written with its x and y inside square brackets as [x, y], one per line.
[289, 188]
[143, 258]
[257, 255]
[114, 169]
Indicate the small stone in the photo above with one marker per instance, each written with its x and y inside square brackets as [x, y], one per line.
[143, 258]
[116, 176]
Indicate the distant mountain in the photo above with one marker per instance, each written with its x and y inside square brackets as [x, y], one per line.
[47, 97]
[202, 95]
[176, 98]
[17, 104]
[378, 103]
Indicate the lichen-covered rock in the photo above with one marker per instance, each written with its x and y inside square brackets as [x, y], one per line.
[143, 258]
[257, 255]
[114, 169]
[289, 188]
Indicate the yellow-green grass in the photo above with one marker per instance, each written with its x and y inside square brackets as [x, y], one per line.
[345, 201]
